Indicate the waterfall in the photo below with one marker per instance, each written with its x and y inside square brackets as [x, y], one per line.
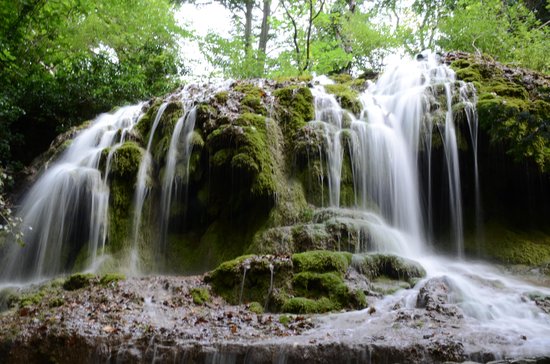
[180, 151]
[66, 209]
[142, 190]
[385, 144]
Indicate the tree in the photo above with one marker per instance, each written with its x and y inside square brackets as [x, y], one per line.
[65, 61]
[295, 12]
[508, 32]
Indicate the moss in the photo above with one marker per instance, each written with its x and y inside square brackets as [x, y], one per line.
[341, 78]
[302, 305]
[295, 109]
[322, 261]
[126, 160]
[31, 299]
[229, 280]
[78, 281]
[222, 97]
[254, 104]
[346, 96]
[509, 246]
[199, 295]
[509, 112]
[386, 286]
[242, 149]
[56, 302]
[284, 319]
[391, 266]
[109, 278]
[256, 307]
[145, 122]
[8, 298]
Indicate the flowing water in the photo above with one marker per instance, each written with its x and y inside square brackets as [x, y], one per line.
[400, 112]
[389, 144]
[68, 204]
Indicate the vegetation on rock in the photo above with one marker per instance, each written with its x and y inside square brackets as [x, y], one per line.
[309, 282]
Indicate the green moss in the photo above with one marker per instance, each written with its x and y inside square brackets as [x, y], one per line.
[222, 97]
[302, 305]
[254, 104]
[346, 96]
[391, 266]
[509, 246]
[145, 122]
[126, 160]
[31, 299]
[256, 307]
[200, 295]
[56, 302]
[242, 149]
[229, 280]
[295, 109]
[78, 281]
[386, 286]
[284, 319]
[109, 278]
[341, 78]
[322, 261]
[509, 112]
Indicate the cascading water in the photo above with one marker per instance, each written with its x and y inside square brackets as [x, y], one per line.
[400, 112]
[142, 190]
[179, 151]
[67, 208]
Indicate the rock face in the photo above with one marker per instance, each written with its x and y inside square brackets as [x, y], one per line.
[252, 176]
[513, 155]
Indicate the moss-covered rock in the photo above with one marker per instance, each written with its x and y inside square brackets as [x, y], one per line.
[511, 108]
[390, 266]
[78, 281]
[310, 282]
[509, 245]
[200, 295]
[111, 278]
[295, 109]
[126, 160]
[248, 278]
[346, 96]
[322, 261]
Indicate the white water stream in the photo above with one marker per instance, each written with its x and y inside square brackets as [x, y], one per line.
[384, 151]
[68, 201]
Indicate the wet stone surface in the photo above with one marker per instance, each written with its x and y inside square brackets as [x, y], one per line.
[156, 319]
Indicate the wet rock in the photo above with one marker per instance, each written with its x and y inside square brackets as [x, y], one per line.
[435, 296]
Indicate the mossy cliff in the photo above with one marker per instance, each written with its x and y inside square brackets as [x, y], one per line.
[251, 177]
[514, 160]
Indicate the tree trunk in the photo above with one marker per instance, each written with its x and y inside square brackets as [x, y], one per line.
[262, 45]
[248, 26]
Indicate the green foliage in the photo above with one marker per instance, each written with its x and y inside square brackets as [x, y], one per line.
[10, 225]
[509, 32]
[65, 61]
